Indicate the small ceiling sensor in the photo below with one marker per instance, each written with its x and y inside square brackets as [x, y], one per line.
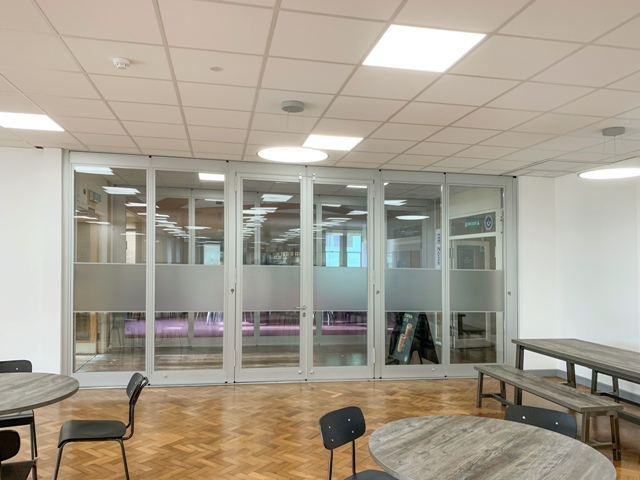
[121, 63]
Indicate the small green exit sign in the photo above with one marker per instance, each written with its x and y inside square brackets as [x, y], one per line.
[472, 223]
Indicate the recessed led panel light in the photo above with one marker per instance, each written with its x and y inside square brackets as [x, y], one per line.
[196, 227]
[412, 217]
[357, 212]
[121, 190]
[93, 169]
[28, 121]
[610, 173]
[395, 203]
[328, 142]
[135, 204]
[336, 205]
[211, 177]
[426, 49]
[356, 186]
[274, 197]
[292, 155]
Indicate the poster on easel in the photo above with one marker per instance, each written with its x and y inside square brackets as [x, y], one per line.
[402, 351]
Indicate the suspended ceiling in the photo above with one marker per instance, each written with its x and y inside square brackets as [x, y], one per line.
[207, 79]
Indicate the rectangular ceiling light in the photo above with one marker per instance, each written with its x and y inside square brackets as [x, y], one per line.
[426, 49]
[93, 169]
[211, 177]
[28, 121]
[121, 190]
[274, 197]
[328, 142]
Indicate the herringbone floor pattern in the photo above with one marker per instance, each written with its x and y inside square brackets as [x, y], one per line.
[257, 432]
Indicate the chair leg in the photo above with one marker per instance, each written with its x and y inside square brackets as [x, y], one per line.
[34, 450]
[124, 459]
[57, 467]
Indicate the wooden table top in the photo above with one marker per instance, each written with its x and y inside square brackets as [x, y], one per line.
[603, 358]
[21, 391]
[469, 447]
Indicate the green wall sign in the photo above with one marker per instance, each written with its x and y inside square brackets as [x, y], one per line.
[472, 223]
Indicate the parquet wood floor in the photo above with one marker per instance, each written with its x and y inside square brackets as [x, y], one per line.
[258, 431]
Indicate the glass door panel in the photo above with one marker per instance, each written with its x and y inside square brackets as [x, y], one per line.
[413, 276]
[476, 276]
[341, 320]
[109, 280]
[189, 274]
[271, 310]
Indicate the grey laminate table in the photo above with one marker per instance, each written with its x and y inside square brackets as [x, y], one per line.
[468, 447]
[21, 391]
[616, 362]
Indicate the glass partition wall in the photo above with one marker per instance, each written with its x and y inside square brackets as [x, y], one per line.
[263, 274]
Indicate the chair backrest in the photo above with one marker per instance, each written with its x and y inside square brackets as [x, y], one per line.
[9, 444]
[134, 388]
[8, 366]
[560, 422]
[341, 426]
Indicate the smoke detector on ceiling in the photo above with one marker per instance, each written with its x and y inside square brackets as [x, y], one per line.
[121, 63]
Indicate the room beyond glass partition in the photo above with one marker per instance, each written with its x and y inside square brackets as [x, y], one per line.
[189, 279]
[476, 275]
[340, 268]
[110, 239]
[413, 273]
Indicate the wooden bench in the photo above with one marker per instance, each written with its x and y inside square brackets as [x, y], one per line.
[585, 404]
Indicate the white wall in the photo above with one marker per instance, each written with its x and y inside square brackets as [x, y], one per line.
[30, 256]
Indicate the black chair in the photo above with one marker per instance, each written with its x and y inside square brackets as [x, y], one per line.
[21, 418]
[9, 447]
[560, 422]
[340, 427]
[103, 430]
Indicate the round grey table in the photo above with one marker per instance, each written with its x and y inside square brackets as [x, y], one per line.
[21, 391]
[469, 447]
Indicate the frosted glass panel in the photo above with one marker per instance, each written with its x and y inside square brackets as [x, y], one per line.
[477, 291]
[270, 287]
[339, 288]
[189, 288]
[410, 289]
[109, 288]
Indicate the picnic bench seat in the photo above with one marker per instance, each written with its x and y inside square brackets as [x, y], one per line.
[583, 403]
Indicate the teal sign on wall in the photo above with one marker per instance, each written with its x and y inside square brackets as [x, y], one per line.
[472, 223]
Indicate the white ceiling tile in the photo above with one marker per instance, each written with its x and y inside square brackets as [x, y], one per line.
[95, 139]
[462, 90]
[632, 82]
[631, 114]
[557, 166]
[216, 96]
[555, 123]
[539, 96]
[460, 162]
[465, 15]
[404, 131]
[583, 157]
[627, 35]
[530, 155]
[345, 164]
[162, 143]
[214, 134]
[483, 171]
[195, 66]
[605, 103]
[468, 136]
[283, 123]
[96, 56]
[368, 157]
[358, 108]
[495, 118]
[390, 167]
[8, 135]
[270, 101]
[90, 125]
[503, 57]
[568, 143]
[37, 50]
[387, 83]
[305, 36]
[18, 103]
[371, 9]
[220, 156]
[560, 21]
[49, 82]
[23, 15]
[593, 66]
[112, 149]
[113, 20]
[157, 152]
[485, 151]
[260, 137]
[217, 147]
[5, 86]
[385, 146]
[145, 112]
[209, 117]
[443, 169]
[135, 89]
[304, 76]
[158, 130]
[436, 149]
[517, 139]
[14, 143]
[72, 107]
[421, 160]
[431, 113]
[216, 26]
[45, 139]
[503, 165]
[346, 128]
